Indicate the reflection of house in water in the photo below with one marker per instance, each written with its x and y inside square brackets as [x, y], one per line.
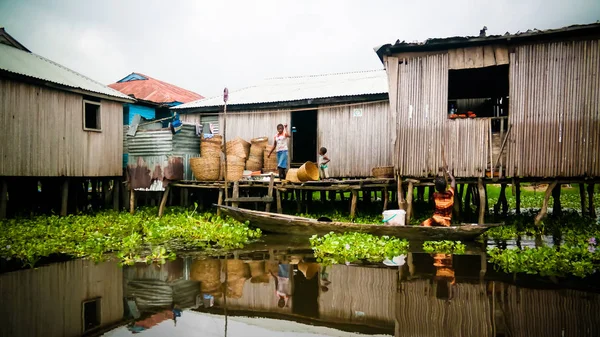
[62, 299]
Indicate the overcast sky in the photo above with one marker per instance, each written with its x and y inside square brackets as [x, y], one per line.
[206, 45]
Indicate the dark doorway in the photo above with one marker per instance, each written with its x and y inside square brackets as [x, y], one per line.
[306, 293]
[304, 136]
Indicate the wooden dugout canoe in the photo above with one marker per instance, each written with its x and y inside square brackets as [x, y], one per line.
[295, 225]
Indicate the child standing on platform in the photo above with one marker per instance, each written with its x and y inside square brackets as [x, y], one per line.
[280, 143]
[323, 161]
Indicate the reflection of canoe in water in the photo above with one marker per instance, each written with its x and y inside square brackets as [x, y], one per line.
[289, 224]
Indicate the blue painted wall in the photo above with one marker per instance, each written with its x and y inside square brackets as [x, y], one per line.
[130, 110]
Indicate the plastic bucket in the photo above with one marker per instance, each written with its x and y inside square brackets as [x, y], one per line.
[394, 217]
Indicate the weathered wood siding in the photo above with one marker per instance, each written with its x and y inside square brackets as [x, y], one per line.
[257, 297]
[359, 295]
[420, 313]
[554, 110]
[356, 144]
[47, 301]
[419, 100]
[42, 134]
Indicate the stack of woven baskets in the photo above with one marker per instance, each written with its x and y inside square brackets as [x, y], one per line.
[269, 163]
[256, 157]
[238, 150]
[208, 272]
[207, 166]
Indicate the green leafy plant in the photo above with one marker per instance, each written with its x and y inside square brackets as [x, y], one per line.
[445, 246]
[351, 247]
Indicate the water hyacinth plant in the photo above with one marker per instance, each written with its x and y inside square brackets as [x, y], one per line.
[131, 238]
[445, 246]
[352, 247]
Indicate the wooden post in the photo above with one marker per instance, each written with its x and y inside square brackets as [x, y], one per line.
[401, 201]
[65, 197]
[278, 195]
[409, 200]
[456, 206]
[517, 189]
[131, 201]
[591, 209]
[323, 196]
[163, 201]
[557, 207]
[420, 193]
[502, 201]
[367, 197]
[298, 202]
[385, 196]
[353, 205]
[236, 193]
[544, 209]
[124, 195]
[582, 197]
[3, 198]
[482, 201]
[105, 194]
[270, 192]
[116, 193]
[220, 201]
[467, 203]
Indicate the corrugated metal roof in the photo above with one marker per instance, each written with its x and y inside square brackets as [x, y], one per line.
[285, 89]
[461, 41]
[21, 62]
[150, 89]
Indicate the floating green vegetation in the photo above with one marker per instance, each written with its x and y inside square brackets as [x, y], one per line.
[580, 261]
[132, 238]
[336, 215]
[351, 247]
[445, 246]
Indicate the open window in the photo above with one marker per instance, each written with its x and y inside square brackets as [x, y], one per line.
[91, 317]
[478, 92]
[92, 116]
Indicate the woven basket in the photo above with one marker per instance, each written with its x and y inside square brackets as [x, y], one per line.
[211, 147]
[257, 268]
[264, 278]
[235, 289]
[237, 269]
[254, 164]
[206, 271]
[292, 175]
[238, 147]
[308, 172]
[235, 168]
[206, 168]
[308, 269]
[269, 164]
[383, 172]
[258, 146]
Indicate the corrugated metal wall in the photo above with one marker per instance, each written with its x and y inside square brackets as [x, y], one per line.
[47, 301]
[42, 134]
[536, 312]
[359, 295]
[419, 96]
[555, 110]
[420, 313]
[356, 144]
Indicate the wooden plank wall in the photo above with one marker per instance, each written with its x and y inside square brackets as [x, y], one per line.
[356, 144]
[47, 301]
[42, 134]
[554, 110]
[536, 312]
[359, 295]
[419, 97]
[419, 313]
[257, 297]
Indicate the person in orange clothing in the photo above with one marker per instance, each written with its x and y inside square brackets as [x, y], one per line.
[444, 275]
[444, 201]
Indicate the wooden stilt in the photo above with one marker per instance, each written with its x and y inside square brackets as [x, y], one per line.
[591, 209]
[482, 201]
[131, 201]
[332, 195]
[116, 194]
[323, 196]
[105, 194]
[517, 189]
[186, 197]
[456, 207]
[544, 209]
[3, 198]
[401, 201]
[270, 192]
[278, 195]
[65, 197]
[220, 201]
[409, 202]
[502, 201]
[582, 198]
[385, 196]
[125, 195]
[308, 200]
[420, 193]
[367, 197]
[163, 201]
[556, 207]
[467, 203]
[353, 205]
[298, 202]
[236, 193]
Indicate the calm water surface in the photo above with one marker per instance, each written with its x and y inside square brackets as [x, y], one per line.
[240, 295]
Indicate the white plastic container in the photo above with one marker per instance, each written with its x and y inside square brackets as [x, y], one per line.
[394, 217]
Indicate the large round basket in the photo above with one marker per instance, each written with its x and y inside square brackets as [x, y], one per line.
[292, 176]
[235, 288]
[270, 163]
[206, 271]
[206, 168]
[237, 269]
[383, 172]
[254, 163]
[235, 168]
[258, 146]
[308, 172]
[257, 268]
[238, 147]
[211, 147]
